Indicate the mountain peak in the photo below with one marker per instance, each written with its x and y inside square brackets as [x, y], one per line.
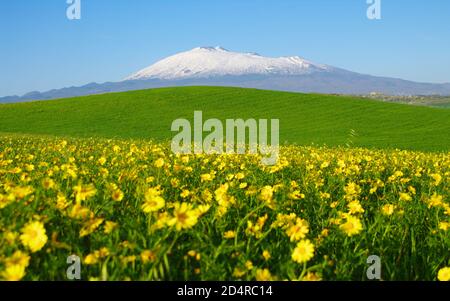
[207, 62]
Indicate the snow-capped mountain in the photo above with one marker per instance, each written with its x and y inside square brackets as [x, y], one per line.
[205, 62]
[216, 66]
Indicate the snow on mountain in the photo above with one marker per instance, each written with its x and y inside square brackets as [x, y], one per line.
[216, 66]
[206, 62]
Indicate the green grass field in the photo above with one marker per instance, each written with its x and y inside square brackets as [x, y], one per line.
[304, 118]
[129, 209]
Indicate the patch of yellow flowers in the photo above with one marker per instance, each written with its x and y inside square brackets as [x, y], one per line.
[133, 210]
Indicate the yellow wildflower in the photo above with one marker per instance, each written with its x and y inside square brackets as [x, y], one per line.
[117, 195]
[185, 216]
[34, 236]
[303, 252]
[110, 227]
[266, 255]
[229, 234]
[352, 226]
[388, 209]
[90, 226]
[298, 230]
[83, 193]
[153, 201]
[263, 275]
[405, 197]
[148, 256]
[444, 274]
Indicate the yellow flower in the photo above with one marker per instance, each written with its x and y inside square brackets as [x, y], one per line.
[298, 230]
[334, 205]
[61, 202]
[303, 252]
[102, 161]
[80, 212]
[352, 190]
[10, 237]
[238, 273]
[311, 277]
[266, 193]
[110, 227]
[185, 193]
[437, 179]
[90, 226]
[388, 209]
[412, 190]
[91, 259]
[128, 259]
[117, 195]
[207, 196]
[34, 236]
[15, 266]
[202, 209]
[148, 256]
[83, 193]
[352, 226]
[4, 201]
[405, 197]
[229, 234]
[444, 226]
[153, 201]
[159, 163]
[243, 185]
[13, 273]
[296, 195]
[206, 177]
[223, 199]
[22, 192]
[263, 275]
[240, 175]
[355, 207]
[325, 195]
[221, 194]
[48, 183]
[185, 216]
[266, 255]
[435, 200]
[324, 233]
[18, 258]
[444, 274]
[161, 221]
[249, 265]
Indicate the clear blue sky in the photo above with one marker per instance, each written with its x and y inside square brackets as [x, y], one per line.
[41, 49]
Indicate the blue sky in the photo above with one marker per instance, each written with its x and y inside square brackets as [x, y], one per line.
[41, 49]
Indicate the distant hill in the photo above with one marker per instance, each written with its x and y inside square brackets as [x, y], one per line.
[304, 118]
[216, 66]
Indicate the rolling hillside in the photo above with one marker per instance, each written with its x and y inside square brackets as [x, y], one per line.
[304, 118]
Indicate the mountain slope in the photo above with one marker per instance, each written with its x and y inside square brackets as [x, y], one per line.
[304, 119]
[215, 66]
[206, 62]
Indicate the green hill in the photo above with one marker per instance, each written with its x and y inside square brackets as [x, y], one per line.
[304, 118]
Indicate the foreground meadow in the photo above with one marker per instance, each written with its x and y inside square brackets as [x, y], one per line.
[131, 210]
